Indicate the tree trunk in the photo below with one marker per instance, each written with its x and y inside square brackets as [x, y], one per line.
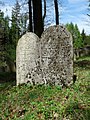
[44, 10]
[37, 17]
[30, 16]
[56, 11]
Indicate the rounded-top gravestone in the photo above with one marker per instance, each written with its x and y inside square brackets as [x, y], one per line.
[57, 55]
[27, 59]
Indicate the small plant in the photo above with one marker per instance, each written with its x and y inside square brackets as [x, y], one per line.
[39, 102]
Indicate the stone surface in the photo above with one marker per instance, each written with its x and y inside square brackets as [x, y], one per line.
[48, 60]
[57, 56]
[27, 59]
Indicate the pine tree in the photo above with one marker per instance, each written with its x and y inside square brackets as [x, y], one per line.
[15, 25]
[1, 26]
[78, 42]
[6, 30]
[77, 38]
[70, 27]
[83, 36]
[2, 47]
[23, 23]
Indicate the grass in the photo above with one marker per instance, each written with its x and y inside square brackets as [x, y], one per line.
[27, 102]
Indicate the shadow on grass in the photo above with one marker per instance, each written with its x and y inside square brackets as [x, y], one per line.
[7, 80]
[83, 64]
[7, 77]
[77, 111]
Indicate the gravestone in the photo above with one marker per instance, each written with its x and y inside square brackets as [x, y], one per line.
[48, 60]
[27, 59]
[57, 56]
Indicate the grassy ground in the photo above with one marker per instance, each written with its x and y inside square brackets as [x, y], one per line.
[28, 102]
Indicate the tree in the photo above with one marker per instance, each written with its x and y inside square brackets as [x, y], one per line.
[9, 52]
[15, 24]
[36, 24]
[70, 27]
[11, 36]
[30, 16]
[83, 36]
[5, 52]
[87, 40]
[37, 17]
[89, 8]
[56, 11]
[2, 47]
[1, 28]
[6, 30]
[77, 38]
[44, 11]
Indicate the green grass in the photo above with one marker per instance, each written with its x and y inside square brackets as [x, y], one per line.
[27, 102]
[84, 58]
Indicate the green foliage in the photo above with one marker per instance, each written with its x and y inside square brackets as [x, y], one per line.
[83, 36]
[15, 25]
[2, 63]
[70, 27]
[41, 102]
[78, 43]
[8, 49]
[87, 40]
[77, 38]
[1, 17]
[10, 52]
[10, 32]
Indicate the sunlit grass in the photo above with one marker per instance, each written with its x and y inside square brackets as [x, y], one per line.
[27, 102]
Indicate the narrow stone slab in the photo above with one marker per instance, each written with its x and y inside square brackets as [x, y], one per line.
[57, 56]
[27, 59]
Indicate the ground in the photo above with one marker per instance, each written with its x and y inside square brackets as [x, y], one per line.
[27, 102]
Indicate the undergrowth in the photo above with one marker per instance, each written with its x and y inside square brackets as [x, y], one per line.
[27, 102]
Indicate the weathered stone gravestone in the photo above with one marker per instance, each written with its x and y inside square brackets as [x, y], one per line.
[57, 56]
[27, 59]
[48, 60]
